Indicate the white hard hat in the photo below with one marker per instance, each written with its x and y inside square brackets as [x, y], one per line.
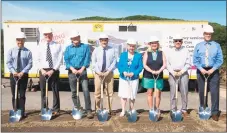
[20, 35]
[47, 30]
[131, 41]
[74, 34]
[208, 29]
[153, 39]
[177, 37]
[103, 36]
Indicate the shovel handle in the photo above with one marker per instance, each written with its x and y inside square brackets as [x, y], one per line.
[46, 93]
[101, 96]
[155, 91]
[77, 87]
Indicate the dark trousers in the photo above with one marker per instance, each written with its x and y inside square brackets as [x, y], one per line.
[84, 81]
[53, 82]
[22, 85]
[213, 86]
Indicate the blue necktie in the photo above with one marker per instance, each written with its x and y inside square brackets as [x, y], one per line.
[104, 60]
[18, 60]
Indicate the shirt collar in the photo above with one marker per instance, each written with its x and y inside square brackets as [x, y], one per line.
[18, 48]
[205, 42]
[179, 49]
[72, 45]
[107, 47]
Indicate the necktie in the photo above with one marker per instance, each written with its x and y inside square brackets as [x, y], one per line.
[49, 57]
[18, 60]
[206, 55]
[104, 60]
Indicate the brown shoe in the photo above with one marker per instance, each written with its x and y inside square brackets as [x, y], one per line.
[55, 113]
[215, 117]
[185, 114]
[33, 90]
[90, 115]
[28, 89]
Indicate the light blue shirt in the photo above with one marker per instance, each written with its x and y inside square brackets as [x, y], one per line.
[97, 59]
[215, 58]
[26, 60]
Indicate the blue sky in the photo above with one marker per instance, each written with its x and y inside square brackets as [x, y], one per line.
[213, 11]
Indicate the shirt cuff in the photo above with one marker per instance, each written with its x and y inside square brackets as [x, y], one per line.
[214, 68]
[200, 68]
[24, 71]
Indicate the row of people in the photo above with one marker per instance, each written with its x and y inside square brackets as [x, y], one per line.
[207, 58]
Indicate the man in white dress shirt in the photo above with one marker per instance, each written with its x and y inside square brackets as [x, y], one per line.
[178, 62]
[50, 56]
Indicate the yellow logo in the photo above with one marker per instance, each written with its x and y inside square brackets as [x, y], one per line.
[97, 27]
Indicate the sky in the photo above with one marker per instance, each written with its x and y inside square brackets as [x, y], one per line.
[212, 11]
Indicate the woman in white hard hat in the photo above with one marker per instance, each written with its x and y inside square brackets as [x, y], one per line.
[19, 62]
[129, 66]
[208, 58]
[154, 62]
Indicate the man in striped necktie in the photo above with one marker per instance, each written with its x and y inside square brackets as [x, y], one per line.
[208, 58]
[50, 56]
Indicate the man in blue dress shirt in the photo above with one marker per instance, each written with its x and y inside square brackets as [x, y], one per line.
[103, 64]
[208, 58]
[77, 58]
[19, 62]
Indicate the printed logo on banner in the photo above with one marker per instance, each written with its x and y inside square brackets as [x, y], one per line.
[98, 27]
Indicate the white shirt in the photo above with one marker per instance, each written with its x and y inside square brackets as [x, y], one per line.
[56, 53]
[178, 59]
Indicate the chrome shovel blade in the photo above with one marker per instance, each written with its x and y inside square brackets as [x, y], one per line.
[153, 115]
[102, 115]
[14, 116]
[46, 114]
[176, 116]
[204, 114]
[77, 113]
[131, 115]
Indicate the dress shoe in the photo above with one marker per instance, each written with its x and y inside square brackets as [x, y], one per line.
[215, 117]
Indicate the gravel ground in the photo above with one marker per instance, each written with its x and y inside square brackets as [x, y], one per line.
[65, 123]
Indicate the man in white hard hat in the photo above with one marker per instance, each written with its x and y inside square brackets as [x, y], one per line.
[208, 58]
[178, 63]
[77, 57]
[50, 55]
[19, 62]
[103, 64]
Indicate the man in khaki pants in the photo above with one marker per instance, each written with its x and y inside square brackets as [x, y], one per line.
[103, 64]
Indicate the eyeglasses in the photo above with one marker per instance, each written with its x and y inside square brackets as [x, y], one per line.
[177, 40]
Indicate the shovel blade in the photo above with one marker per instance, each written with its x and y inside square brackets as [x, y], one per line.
[153, 115]
[176, 116]
[102, 115]
[204, 114]
[77, 113]
[14, 116]
[131, 115]
[46, 114]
